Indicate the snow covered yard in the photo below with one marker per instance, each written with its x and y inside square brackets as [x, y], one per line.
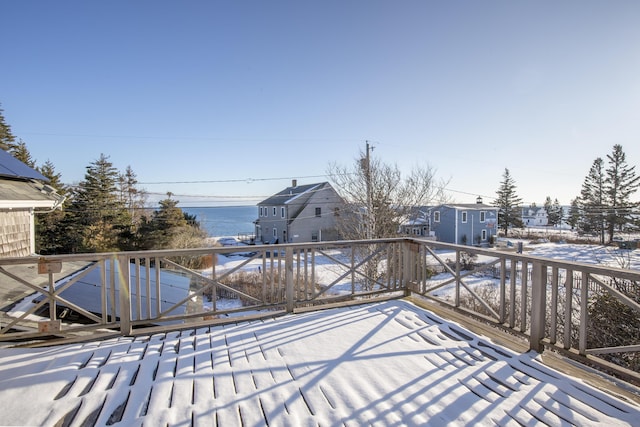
[389, 363]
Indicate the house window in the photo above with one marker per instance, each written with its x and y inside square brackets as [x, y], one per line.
[436, 216]
[282, 212]
[318, 212]
[464, 216]
[274, 211]
[275, 233]
[484, 234]
[482, 216]
[314, 236]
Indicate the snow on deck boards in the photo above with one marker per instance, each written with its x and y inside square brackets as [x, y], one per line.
[388, 363]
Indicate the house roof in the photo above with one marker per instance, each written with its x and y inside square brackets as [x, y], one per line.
[470, 206]
[25, 194]
[290, 193]
[23, 187]
[386, 363]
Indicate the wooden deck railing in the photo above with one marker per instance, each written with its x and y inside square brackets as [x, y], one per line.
[139, 292]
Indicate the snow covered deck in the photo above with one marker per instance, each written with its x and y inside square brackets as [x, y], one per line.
[387, 363]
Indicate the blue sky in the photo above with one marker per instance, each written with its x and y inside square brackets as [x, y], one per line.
[231, 100]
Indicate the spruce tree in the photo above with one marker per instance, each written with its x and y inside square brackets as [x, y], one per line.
[508, 204]
[50, 233]
[554, 211]
[574, 213]
[593, 201]
[97, 217]
[620, 182]
[7, 140]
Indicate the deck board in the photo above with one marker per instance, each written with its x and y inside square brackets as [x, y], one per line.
[388, 363]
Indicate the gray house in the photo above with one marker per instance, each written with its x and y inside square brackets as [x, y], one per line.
[299, 213]
[464, 224]
[23, 191]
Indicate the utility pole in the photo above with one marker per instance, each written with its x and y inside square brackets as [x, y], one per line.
[367, 171]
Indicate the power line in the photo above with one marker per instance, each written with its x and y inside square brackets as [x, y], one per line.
[220, 181]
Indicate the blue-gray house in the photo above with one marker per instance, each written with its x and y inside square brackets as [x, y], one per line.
[464, 224]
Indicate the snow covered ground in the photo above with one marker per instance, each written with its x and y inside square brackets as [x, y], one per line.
[388, 363]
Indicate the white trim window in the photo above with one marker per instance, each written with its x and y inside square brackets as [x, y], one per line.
[484, 235]
[483, 216]
[282, 212]
[274, 211]
[463, 216]
[436, 216]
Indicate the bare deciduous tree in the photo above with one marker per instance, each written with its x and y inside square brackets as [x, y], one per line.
[379, 199]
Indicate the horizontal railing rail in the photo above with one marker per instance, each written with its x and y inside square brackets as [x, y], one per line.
[552, 303]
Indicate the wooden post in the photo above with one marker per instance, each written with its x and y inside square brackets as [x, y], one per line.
[124, 285]
[289, 290]
[538, 306]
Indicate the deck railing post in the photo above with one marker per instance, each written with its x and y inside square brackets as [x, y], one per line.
[289, 289]
[538, 306]
[124, 286]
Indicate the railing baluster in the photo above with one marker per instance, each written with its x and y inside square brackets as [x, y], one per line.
[524, 297]
[138, 289]
[584, 313]
[538, 305]
[158, 286]
[124, 284]
[553, 326]
[147, 277]
[289, 288]
[503, 289]
[568, 308]
[512, 291]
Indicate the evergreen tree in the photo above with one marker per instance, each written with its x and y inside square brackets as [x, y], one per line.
[574, 213]
[593, 201]
[508, 204]
[620, 182]
[131, 196]
[97, 217]
[21, 152]
[7, 140]
[554, 211]
[170, 228]
[50, 233]
[558, 213]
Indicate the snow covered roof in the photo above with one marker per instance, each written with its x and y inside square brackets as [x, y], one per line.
[477, 206]
[385, 363]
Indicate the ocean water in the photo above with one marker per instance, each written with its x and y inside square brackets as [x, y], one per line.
[225, 221]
